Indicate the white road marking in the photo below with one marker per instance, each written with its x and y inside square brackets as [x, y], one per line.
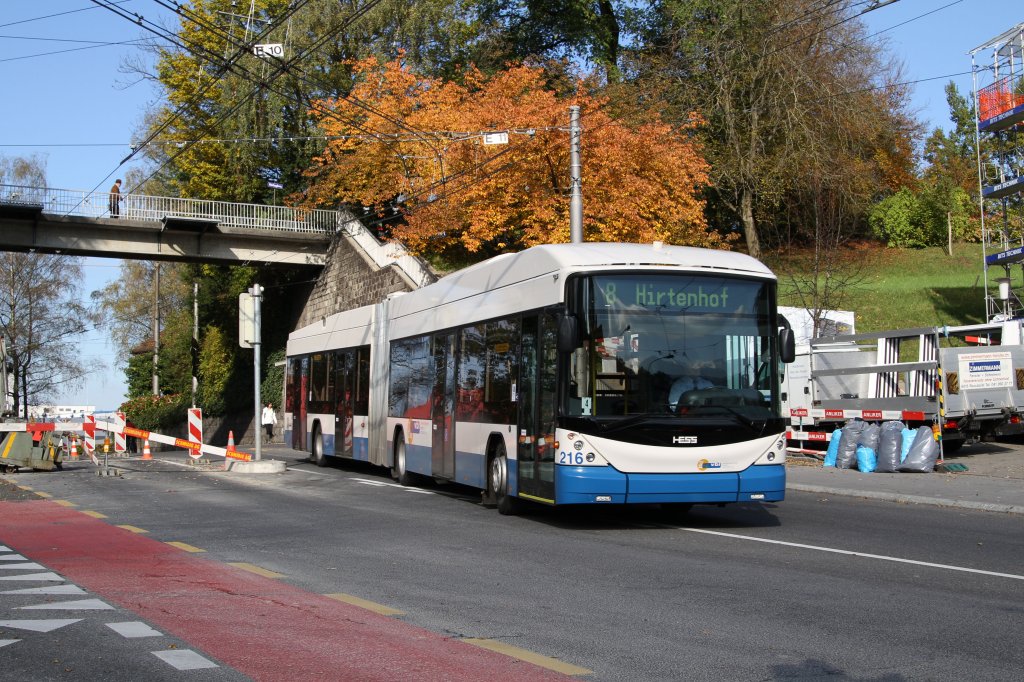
[184, 659]
[34, 576]
[12, 557]
[135, 628]
[4, 548]
[48, 589]
[74, 605]
[5, 642]
[832, 550]
[38, 625]
[30, 565]
[385, 484]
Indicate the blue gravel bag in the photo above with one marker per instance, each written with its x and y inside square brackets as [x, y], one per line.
[833, 449]
[866, 459]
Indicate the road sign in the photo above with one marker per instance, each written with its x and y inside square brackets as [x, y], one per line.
[246, 319]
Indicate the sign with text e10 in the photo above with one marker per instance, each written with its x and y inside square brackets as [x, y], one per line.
[269, 50]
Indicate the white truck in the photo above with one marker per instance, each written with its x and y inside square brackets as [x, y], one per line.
[968, 380]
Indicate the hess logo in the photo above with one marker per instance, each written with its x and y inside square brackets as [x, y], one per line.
[684, 440]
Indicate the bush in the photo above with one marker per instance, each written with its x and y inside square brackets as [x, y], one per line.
[156, 413]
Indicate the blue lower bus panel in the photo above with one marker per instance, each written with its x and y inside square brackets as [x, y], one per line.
[600, 485]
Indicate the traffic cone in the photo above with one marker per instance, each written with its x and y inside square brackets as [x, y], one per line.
[146, 454]
[74, 449]
[229, 450]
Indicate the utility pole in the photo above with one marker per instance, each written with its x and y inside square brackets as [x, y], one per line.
[257, 295]
[195, 341]
[156, 327]
[576, 202]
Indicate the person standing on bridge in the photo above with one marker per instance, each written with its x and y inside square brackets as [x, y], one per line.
[269, 419]
[115, 199]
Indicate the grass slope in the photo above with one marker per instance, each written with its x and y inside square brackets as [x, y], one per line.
[903, 288]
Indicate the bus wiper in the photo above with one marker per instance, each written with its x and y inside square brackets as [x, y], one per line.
[626, 422]
[743, 419]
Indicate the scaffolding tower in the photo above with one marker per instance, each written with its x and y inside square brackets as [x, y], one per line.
[998, 73]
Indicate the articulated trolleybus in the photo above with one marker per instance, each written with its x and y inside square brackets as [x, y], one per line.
[564, 374]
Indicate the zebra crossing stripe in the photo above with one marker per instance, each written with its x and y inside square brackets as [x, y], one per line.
[38, 625]
[34, 576]
[184, 659]
[48, 589]
[74, 605]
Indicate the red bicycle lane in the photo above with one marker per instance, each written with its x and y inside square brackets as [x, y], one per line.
[264, 628]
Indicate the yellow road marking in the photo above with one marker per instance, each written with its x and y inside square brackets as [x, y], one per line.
[25, 487]
[10, 442]
[365, 604]
[95, 515]
[43, 494]
[253, 568]
[528, 656]
[65, 503]
[185, 546]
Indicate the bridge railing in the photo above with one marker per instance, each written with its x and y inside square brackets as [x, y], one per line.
[143, 207]
[256, 216]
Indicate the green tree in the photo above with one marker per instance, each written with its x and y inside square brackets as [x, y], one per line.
[791, 102]
[215, 364]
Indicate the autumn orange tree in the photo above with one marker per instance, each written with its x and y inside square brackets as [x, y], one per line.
[403, 142]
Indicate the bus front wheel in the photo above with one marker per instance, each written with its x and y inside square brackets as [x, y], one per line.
[399, 472]
[497, 482]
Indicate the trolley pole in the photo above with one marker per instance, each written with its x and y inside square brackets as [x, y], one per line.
[576, 202]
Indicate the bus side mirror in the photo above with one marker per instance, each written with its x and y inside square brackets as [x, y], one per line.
[568, 333]
[787, 345]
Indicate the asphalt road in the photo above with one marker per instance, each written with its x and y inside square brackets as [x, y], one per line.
[813, 587]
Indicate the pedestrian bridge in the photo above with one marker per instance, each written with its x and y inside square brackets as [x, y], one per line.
[76, 222]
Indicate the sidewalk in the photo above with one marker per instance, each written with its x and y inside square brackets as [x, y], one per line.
[994, 480]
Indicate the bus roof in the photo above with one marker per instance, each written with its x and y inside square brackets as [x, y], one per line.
[498, 285]
[540, 260]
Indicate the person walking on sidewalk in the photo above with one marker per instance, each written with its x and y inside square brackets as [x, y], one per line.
[269, 420]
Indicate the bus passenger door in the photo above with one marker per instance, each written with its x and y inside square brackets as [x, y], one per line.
[343, 404]
[537, 395]
[299, 394]
[442, 407]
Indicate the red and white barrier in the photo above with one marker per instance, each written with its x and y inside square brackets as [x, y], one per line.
[866, 415]
[195, 429]
[89, 426]
[120, 442]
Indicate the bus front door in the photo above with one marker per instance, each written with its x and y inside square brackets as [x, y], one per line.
[298, 393]
[442, 410]
[536, 397]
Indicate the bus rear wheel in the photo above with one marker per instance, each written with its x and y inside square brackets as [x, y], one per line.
[399, 472]
[497, 483]
[318, 448]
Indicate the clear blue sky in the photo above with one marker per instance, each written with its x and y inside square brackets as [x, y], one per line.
[68, 102]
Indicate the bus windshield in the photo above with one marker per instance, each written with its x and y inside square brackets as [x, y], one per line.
[688, 345]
